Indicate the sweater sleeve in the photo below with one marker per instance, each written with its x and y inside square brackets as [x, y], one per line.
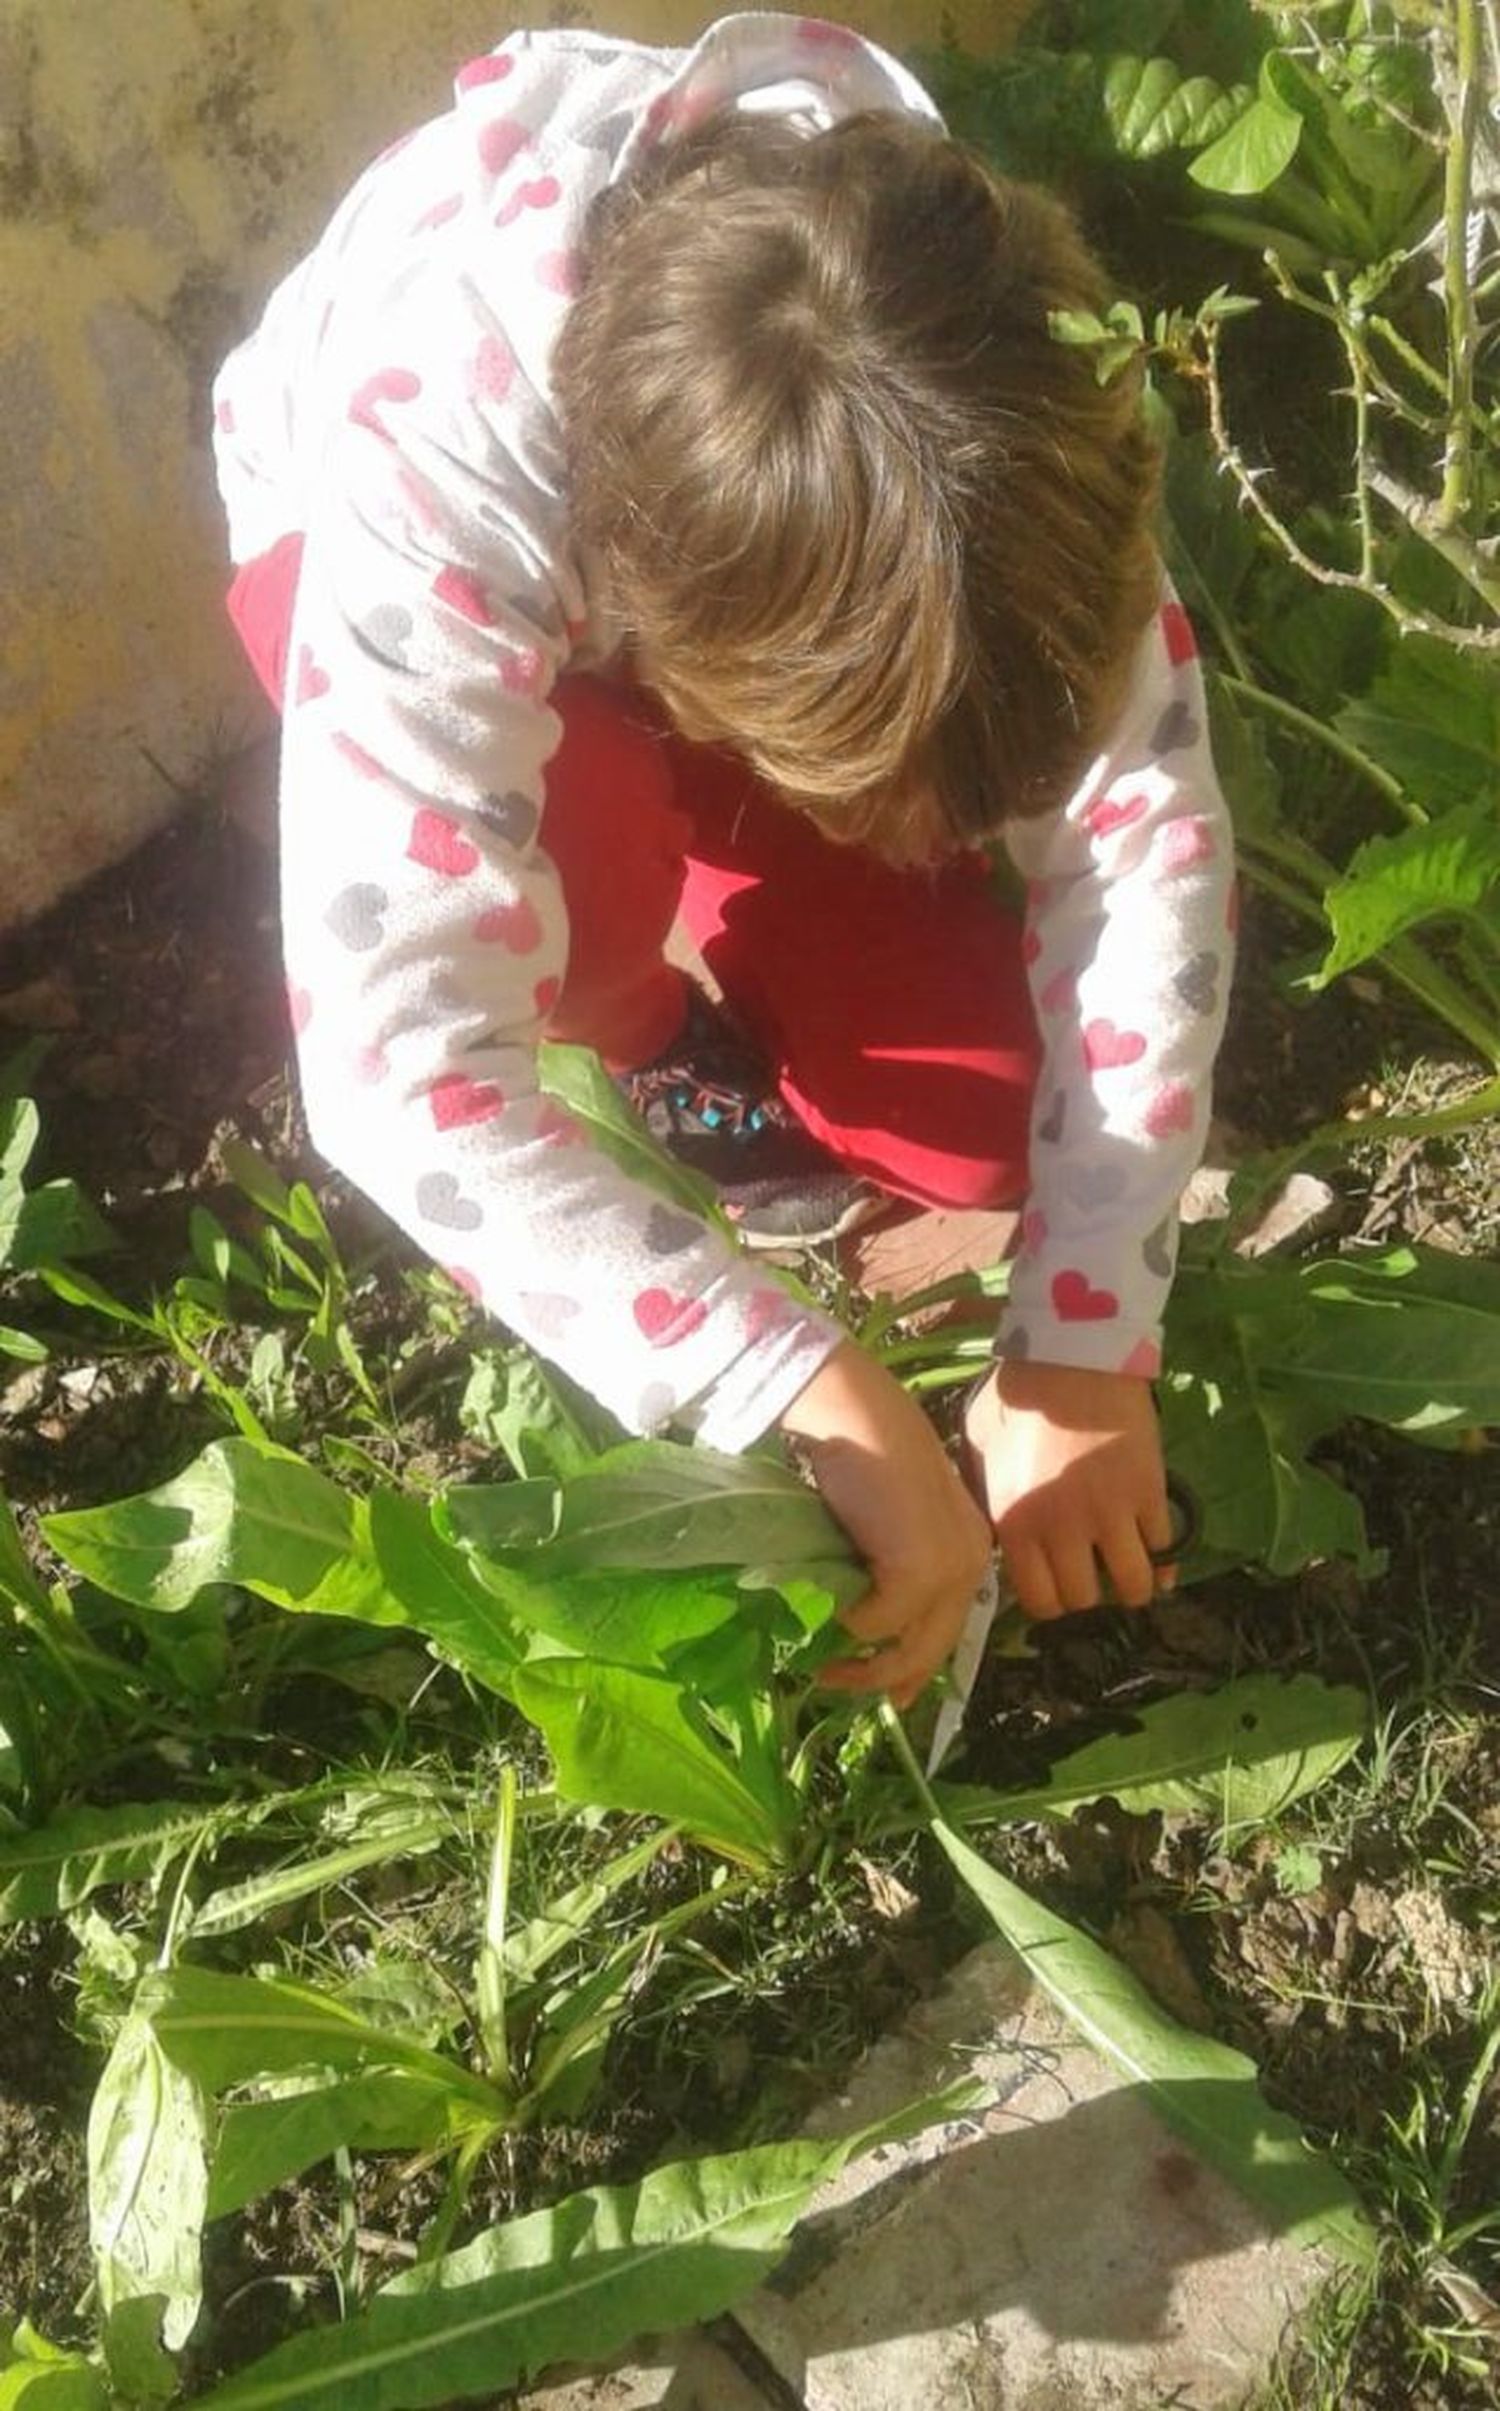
[1129, 944]
[426, 934]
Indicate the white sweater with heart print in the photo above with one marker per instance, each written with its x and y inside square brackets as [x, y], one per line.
[393, 408]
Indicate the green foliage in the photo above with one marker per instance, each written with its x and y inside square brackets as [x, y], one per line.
[1264, 1360]
[607, 2265]
[1204, 2090]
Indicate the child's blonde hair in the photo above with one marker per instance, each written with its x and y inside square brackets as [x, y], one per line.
[863, 517]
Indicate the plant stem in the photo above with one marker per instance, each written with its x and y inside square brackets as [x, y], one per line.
[1335, 1137]
[1458, 452]
[1308, 725]
[895, 1732]
[1410, 620]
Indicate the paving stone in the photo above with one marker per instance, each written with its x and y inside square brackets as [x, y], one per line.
[679, 2373]
[1060, 2249]
[1302, 1210]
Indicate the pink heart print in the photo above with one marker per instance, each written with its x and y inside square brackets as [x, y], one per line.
[1106, 1049]
[492, 68]
[387, 385]
[545, 995]
[666, 1321]
[1031, 947]
[370, 1065]
[224, 416]
[454, 1101]
[1170, 1110]
[299, 1005]
[522, 670]
[356, 757]
[500, 141]
[439, 215]
[440, 845]
[1144, 1359]
[1061, 992]
[464, 594]
[462, 1278]
[1177, 629]
[1187, 842]
[541, 193]
[1077, 1301]
[312, 678]
[1113, 813]
[558, 271]
[769, 1310]
[819, 35]
[516, 926]
[493, 368]
[1033, 1230]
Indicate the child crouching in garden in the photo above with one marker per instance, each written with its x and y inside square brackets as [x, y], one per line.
[659, 496]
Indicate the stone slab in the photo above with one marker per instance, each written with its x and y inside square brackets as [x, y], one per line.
[679, 2373]
[1059, 2249]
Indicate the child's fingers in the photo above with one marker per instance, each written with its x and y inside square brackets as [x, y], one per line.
[1031, 1580]
[1130, 1569]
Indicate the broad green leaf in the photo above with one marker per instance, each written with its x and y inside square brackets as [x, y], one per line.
[148, 2178]
[1240, 1755]
[17, 1581]
[22, 1346]
[263, 2144]
[652, 1503]
[437, 1588]
[235, 1515]
[404, 1831]
[499, 1519]
[530, 1411]
[241, 1513]
[623, 1737]
[633, 1618]
[33, 2386]
[578, 1080]
[20, 1128]
[1409, 1337]
[49, 1225]
[140, 2372]
[1205, 2091]
[1253, 151]
[1392, 883]
[1151, 106]
[599, 2269]
[533, 1946]
[229, 2030]
[51, 1868]
[1432, 718]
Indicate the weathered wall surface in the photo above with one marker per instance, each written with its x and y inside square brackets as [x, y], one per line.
[161, 163]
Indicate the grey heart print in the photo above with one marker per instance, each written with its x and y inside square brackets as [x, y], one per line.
[1016, 1343]
[668, 1233]
[512, 816]
[355, 916]
[1159, 1250]
[440, 1200]
[1175, 730]
[1197, 983]
[1050, 1127]
[386, 632]
[1090, 1185]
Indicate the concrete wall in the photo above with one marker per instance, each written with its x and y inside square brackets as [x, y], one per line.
[161, 163]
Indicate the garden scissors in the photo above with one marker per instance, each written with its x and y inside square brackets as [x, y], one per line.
[968, 1656]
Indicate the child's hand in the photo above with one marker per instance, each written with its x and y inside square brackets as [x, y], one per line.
[1074, 1482]
[882, 1471]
